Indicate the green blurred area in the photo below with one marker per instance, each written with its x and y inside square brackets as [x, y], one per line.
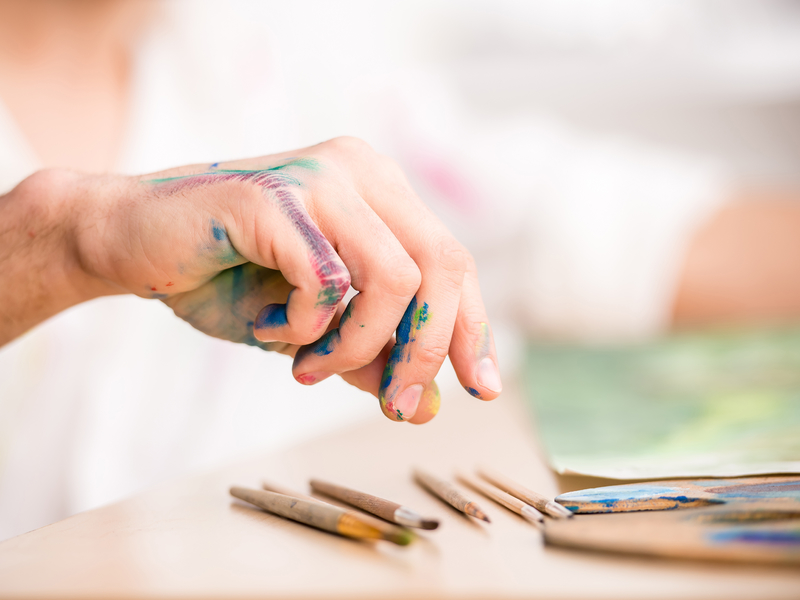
[720, 403]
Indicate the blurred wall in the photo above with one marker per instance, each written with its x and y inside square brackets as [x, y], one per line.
[714, 76]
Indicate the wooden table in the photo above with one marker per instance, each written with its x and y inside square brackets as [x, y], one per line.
[191, 539]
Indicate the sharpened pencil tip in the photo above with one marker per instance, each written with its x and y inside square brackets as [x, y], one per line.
[532, 515]
[473, 510]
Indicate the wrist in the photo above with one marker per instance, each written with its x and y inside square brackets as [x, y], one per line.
[41, 271]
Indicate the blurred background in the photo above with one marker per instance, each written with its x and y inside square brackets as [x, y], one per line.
[707, 76]
[575, 147]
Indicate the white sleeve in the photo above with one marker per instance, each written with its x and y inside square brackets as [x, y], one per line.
[606, 225]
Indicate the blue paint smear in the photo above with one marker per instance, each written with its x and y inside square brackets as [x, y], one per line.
[473, 391]
[613, 494]
[156, 296]
[219, 231]
[274, 315]
[348, 312]
[326, 344]
[404, 328]
[215, 165]
[780, 537]
[778, 489]
[400, 351]
[423, 315]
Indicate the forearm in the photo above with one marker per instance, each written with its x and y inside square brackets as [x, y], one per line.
[40, 272]
[744, 265]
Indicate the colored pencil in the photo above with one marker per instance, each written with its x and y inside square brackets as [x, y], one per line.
[316, 514]
[390, 533]
[515, 505]
[543, 503]
[385, 509]
[447, 492]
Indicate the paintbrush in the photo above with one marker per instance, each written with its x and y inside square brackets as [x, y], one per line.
[447, 492]
[390, 533]
[540, 502]
[316, 514]
[385, 509]
[515, 505]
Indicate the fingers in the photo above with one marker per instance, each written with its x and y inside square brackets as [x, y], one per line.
[423, 338]
[472, 350]
[386, 278]
[368, 379]
[226, 306]
[310, 263]
[457, 320]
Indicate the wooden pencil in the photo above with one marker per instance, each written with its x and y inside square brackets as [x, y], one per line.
[390, 533]
[385, 509]
[447, 492]
[316, 514]
[515, 505]
[543, 503]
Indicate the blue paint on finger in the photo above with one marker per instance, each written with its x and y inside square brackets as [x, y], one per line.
[271, 317]
[413, 320]
[473, 391]
[326, 344]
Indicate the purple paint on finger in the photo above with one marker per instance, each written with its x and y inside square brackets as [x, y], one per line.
[277, 184]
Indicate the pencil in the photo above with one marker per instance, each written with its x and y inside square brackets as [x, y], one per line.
[543, 503]
[449, 493]
[316, 514]
[390, 533]
[385, 509]
[515, 505]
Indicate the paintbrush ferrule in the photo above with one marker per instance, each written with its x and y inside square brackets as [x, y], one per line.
[411, 518]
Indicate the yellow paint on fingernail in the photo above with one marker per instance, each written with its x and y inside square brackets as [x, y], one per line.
[484, 343]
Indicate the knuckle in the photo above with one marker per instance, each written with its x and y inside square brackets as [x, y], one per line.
[334, 286]
[303, 337]
[429, 356]
[404, 278]
[392, 170]
[348, 145]
[357, 357]
[450, 255]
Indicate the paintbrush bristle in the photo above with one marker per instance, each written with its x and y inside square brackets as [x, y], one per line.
[429, 524]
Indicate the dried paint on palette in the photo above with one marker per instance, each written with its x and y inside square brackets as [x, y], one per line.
[627, 498]
[783, 537]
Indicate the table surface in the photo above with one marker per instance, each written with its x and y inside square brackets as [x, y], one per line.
[191, 539]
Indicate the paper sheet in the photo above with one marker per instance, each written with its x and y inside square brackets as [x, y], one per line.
[723, 404]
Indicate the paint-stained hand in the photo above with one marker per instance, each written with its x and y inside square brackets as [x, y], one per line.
[263, 251]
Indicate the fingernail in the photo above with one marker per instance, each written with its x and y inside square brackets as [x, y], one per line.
[489, 376]
[271, 317]
[406, 403]
[312, 378]
[428, 405]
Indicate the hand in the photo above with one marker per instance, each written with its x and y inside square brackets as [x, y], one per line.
[263, 251]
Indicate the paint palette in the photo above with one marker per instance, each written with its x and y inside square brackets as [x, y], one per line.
[755, 519]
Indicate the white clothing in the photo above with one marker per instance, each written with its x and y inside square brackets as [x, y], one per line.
[576, 237]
